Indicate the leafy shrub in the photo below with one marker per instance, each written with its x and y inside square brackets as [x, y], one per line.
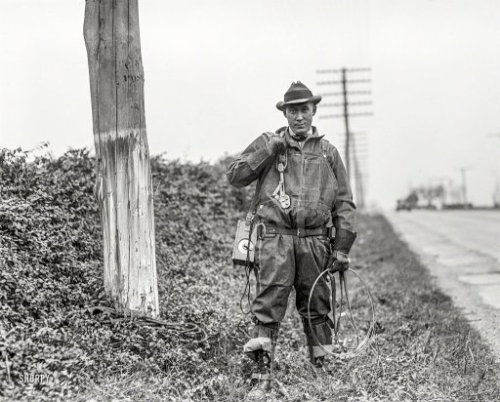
[51, 272]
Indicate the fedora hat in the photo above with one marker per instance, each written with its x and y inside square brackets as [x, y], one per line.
[297, 93]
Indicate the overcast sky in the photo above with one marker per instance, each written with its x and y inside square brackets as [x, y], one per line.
[214, 71]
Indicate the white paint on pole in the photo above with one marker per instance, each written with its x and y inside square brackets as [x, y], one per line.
[123, 180]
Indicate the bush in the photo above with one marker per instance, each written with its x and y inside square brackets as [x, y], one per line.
[51, 273]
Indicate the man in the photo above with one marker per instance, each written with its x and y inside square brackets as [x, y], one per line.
[302, 197]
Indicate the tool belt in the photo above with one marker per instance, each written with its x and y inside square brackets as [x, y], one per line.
[264, 230]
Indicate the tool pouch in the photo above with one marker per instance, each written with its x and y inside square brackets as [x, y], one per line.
[246, 237]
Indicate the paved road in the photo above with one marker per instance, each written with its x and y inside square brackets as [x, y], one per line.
[462, 250]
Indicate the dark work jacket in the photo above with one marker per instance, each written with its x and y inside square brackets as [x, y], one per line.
[315, 179]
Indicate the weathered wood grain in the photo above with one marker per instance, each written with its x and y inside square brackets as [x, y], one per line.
[123, 186]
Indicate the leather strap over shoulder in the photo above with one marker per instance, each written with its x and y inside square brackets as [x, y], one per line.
[326, 154]
[281, 131]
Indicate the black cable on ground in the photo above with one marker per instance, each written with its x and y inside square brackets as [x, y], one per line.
[189, 329]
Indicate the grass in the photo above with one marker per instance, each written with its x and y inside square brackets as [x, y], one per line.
[427, 350]
[51, 274]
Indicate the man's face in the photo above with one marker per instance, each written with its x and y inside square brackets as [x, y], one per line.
[300, 117]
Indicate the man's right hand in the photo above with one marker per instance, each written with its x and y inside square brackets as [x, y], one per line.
[276, 145]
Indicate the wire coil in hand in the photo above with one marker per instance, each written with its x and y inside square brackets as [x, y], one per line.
[336, 323]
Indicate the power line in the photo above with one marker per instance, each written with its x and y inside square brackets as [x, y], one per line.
[339, 70]
[356, 133]
[361, 103]
[343, 115]
[350, 93]
[357, 81]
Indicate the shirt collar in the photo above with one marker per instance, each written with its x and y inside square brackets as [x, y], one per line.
[312, 132]
[294, 136]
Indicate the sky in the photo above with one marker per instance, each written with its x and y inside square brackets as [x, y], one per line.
[214, 71]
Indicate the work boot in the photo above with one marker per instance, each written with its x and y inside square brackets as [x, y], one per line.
[318, 362]
[262, 376]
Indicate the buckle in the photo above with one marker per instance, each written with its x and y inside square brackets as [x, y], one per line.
[261, 230]
[331, 232]
[299, 233]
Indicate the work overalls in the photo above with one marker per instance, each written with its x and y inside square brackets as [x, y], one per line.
[286, 261]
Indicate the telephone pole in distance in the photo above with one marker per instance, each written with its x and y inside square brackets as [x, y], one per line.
[343, 89]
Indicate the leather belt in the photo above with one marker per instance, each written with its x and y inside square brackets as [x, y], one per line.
[299, 232]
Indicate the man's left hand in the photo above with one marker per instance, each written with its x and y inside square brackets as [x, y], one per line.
[341, 261]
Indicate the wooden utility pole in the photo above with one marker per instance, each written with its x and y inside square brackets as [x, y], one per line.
[463, 170]
[346, 115]
[123, 186]
[346, 124]
[360, 192]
